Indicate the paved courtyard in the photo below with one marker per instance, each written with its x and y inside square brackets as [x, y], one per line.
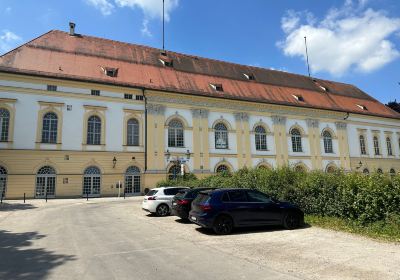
[111, 238]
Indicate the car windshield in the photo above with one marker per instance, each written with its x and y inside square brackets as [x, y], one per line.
[202, 198]
[181, 194]
[152, 192]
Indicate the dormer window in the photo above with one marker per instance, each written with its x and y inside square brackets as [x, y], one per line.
[167, 62]
[319, 85]
[111, 72]
[362, 107]
[249, 77]
[217, 87]
[298, 97]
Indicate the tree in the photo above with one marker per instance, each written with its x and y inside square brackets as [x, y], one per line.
[394, 105]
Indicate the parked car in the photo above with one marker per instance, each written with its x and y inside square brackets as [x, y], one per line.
[224, 209]
[159, 200]
[182, 202]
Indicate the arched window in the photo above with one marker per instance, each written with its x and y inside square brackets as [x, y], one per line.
[132, 180]
[3, 181]
[362, 145]
[174, 172]
[328, 147]
[222, 168]
[392, 172]
[296, 140]
[49, 128]
[379, 171]
[221, 136]
[94, 131]
[261, 138]
[46, 182]
[300, 168]
[133, 133]
[376, 146]
[389, 146]
[91, 181]
[175, 134]
[366, 171]
[4, 124]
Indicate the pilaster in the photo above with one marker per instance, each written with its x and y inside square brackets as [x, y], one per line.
[315, 143]
[343, 141]
[281, 146]
[155, 137]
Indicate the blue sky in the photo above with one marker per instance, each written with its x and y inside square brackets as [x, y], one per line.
[355, 42]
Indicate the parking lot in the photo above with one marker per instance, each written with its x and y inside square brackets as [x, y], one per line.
[112, 238]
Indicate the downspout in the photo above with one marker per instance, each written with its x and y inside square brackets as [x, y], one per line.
[145, 130]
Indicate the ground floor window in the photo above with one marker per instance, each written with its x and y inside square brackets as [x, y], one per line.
[45, 182]
[174, 172]
[91, 181]
[3, 181]
[132, 180]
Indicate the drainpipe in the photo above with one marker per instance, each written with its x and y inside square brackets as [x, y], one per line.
[145, 130]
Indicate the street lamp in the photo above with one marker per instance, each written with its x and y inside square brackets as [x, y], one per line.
[359, 165]
[187, 154]
[114, 161]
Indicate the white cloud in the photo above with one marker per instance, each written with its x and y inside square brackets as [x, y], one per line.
[8, 10]
[105, 7]
[8, 40]
[350, 37]
[151, 8]
[145, 28]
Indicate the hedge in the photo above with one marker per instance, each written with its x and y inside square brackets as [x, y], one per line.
[353, 196]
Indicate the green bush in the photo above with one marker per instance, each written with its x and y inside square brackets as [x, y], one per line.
[351, 196]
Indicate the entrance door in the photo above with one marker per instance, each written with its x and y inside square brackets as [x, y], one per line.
[91, 182]
[3, 182]
[45, 182]
[132, 181]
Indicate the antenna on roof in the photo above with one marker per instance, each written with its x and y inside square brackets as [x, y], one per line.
[163, 24]
[308, 65]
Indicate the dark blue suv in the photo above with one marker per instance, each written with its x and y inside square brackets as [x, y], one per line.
[224, 209]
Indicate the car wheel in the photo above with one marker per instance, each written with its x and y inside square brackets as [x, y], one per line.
[223, 225]
[291, 221]
[162, 210]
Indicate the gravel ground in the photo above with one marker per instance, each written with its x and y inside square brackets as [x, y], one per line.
[111, 238]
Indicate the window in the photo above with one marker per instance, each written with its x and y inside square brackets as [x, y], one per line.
[330, 169]
[221, 136]
[91, 181]
[389, 146]
[217, 87]
[133, 133]
[95, 92]
[392, 172]
[362, 107]
[254, 196]
[51, 88]
[366, 171]
[327, 142]
[237, 196]
[362, 145]
[376, 146]
[175, 134]
[45, 182]
[111, 72]
[300, 168]
[174, 171]
[167, 62]
[261, 138]
[49, 128]
[249, 77]
[298, 97]
[4, 124]
[139, 97]
[222, 168]
[172, 191]
[128, 96]
[94, 131]
[296, 141]
[379, 171]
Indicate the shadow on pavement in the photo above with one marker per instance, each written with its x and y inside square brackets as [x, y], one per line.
[249, 230]
[18, 261]
[15, 206]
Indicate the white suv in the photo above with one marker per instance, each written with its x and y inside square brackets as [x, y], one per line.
[159, 200]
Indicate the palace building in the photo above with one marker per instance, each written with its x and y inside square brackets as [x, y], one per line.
[81, 115]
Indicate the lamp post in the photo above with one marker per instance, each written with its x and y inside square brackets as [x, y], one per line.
[114, 162]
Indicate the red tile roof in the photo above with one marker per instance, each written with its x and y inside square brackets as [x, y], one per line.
[57, 54]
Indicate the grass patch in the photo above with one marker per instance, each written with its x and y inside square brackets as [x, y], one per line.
[388, 230]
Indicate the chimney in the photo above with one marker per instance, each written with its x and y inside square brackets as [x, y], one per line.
[72, 29]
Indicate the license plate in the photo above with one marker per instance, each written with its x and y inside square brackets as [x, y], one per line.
[193, 218]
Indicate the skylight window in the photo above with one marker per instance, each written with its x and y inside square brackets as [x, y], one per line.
[298, 97]
[167, 62]
[217, 87]
[111, 72]
[362, 107]
[319, 85]
[249, 77]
